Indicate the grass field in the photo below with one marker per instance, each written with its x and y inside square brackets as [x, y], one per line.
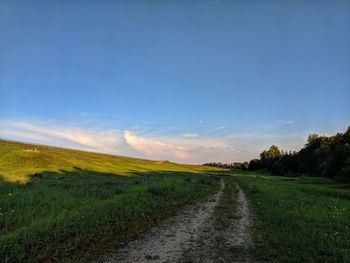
[18, 161]
[301, 219]
[84, 204]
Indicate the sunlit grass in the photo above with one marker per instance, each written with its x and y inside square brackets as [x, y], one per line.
[19, 161]
[84, 204]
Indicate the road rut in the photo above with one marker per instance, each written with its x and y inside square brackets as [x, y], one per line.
[193, 235]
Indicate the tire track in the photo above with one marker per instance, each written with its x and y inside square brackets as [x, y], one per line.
[211, 231]
[167, 241]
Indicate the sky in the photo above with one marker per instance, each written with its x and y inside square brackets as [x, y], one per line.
[185, 81]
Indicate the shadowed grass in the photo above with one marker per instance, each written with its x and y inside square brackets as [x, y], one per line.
[84, 204]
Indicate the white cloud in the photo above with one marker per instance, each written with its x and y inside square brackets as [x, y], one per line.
[285, 122]
[190, 135]
[181, 149]
[72, 137]
[155, 148]
[186, 148]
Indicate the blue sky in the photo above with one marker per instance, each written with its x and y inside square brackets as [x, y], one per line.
[188, 81]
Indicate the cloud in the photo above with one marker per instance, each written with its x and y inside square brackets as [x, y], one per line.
[155, 148]
[285, 122]
[190, 135]
[185, 148]
[181, 149]
[188, 149]
[108, 141]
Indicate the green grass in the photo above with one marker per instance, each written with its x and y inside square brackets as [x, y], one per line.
[18, 161]
[85, 204]
[301, 219]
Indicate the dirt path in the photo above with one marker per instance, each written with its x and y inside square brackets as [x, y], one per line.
[239, 234]
[226, 236]
[194, 235]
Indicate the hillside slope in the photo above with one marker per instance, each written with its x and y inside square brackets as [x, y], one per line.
[81, 204]
[18, 161]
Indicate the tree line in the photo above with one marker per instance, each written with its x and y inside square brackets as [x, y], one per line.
[236, 165]
[325, 156]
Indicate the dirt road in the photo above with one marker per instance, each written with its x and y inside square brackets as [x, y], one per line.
[199, 233]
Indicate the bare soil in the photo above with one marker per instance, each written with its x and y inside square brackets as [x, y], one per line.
[213, 230]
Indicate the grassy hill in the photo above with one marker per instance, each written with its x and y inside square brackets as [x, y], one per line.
[82, 204]
[18, 161]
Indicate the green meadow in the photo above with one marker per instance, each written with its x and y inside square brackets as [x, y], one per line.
[80, 205]
[66, 205]
[301, 219]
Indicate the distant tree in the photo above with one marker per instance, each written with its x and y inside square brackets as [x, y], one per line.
[273, 152]
[327, 156]
[245, 166]
[255, 164]
[268, 157]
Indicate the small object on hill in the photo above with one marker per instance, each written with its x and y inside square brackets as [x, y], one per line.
[37, 176]
[33, 150]
[163, 161]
